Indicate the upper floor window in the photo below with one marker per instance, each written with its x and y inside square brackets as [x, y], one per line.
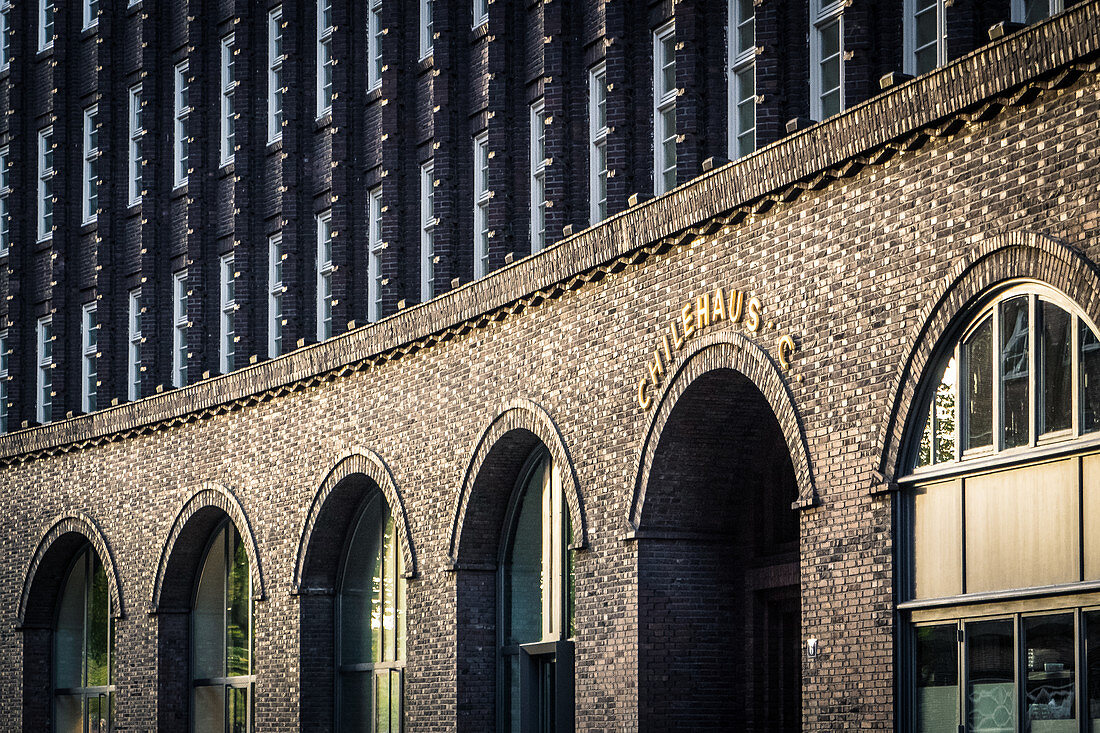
[137, 131]
[427, 29]
[91, 13]
[5, 202]
[481, 12]
[133, 361]
[275, 291]
[275, 58]
[374, 256]
[597, 146]
[90, 196]
[228, 312]
[44, 386]
[45, 24]
[1032, 11]
[179, 328]
[324, 57]
[538, 176]
[89, 357]
[45, 183]
[325, 269]
[4, 357]
[925, 35]
[664, 109]
[374, 44]
[5, 34]
[826, 58]
[742, 78]
[181, 114]
[427, 232]
[481, 205]
[228, 113]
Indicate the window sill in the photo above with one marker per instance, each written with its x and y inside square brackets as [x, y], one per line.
[134, 207]
[373, 95]
[226, 169]
[89, 226]
[44, 53]
[89, 31]
[178, 191]
[323, 121]
[275, 146]
[426, 63]
[479, 31]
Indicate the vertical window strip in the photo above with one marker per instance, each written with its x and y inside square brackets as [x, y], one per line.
[4, 381]
[91, 165]
[228, 114]
[45, 183]
[597, 135]
[481, 205]
[427, 28]
[44, 403]
[133, 381]
[228, 310]
[136, 132]
[374, 255]
[179, 328]
[5, 34]
[324, 275]
[742, 78]
[480, 12]
[324, 57]
[91, 13]
[275, 58]
[427, 231]
[275, 291]
[45, 24]
[664, 109]
[826, 59]
[374, 43]
[5, 202]
[925, 35]
[89, 351]
[181, 115]
[538, 176]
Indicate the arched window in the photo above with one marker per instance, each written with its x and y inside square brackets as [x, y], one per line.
[537, 605]
[1000, 573]
[371, 625]
[221, 638]
[83, 651]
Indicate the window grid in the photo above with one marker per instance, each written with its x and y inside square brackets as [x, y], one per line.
[742, 78]
[136, 132]
[374, 257]
[480, 12]
[664, 109]
[44, 403]
[90, 196]
[228, 310]
[89, 351]
[45, 24]
[427, 231]
[374, 44]
[324, 57]
[324, 275]
[275, 290]
[181, 114]
[597, 135]
[427, 28]
[4, 381]
[5, 202]
[925, 35]
[133, 381]
[45, 184]
[538, 176]
[228, 114]
[481, 205]
[91, 13]
[275, 58]
[826, 59]
[179, 328]
[5, 34]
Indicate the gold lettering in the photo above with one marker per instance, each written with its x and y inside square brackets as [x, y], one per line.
[643, 398]
[752, 322]
[718, 312]
[702, 311]
[737, 300]
[677, 339]
[667, 348]
[786, 348]
[656, 368]
[688, 320]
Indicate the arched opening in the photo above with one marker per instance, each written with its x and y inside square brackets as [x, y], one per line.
[718, 567]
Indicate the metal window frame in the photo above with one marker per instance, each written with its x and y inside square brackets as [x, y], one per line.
[137, 131]
[180, 116]
[374, 44]
[134, 341]
[5, 355]
[5, 202]
[597, 141]
[324, 273]
[664, 100]
[1019, 10]
[324, 51]
[538, 175]
[91, 19]
[428, 223]
[89, 177]
[46, 8]
[738, 60]
[275, 290]
[227, 309]
[479, 12]
[374, 254]
[179, 328]
[274, 74]
[427, 28]
[44, 382]
[481, 206]
[89, 353]
[228, 115]
[45, 177]
[909, 35]
[5, 34]
[823, 14]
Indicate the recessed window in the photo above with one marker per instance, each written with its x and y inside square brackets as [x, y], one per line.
[427, 29]
[133, 362]
[275, 58]
[228, 111]
[1032, 11]
[925, 35]
[5, 202]
[4, 357]
[228, 310]
[480, 12]
[374, 256]
[324, 57]
[275, 291]
[180, 133]
[597, 147]
[45, 24]
[324, 275]
[664, 109]
[44, 387]
[427, 232]
[90, 188]
[91, 13]
[179, 328]
[481, 205]
[374, 44]
[742, 78]
[5, 34]
[45, 184]
[89, 357]
[826, 58]
[538, 176]
[137, 131]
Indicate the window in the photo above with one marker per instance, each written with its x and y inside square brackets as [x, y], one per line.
[324, 57]
[89, 356]
[538, 176]
[228, 311]
[374, 257]
[4, 356]
[481, 205]
[180, 132]
[91, 164]
[221, 638]
[133, 381]
[179, 328]
[374, 45]
[137, 130]
[324, 275]
[91, 13]
[427, 31]
[1032, 11]
[925, 35]
[5, 202]
[537, 602]
[5, 34]
[44, 403]
[427, 231]
[370, 635]
[826, 58]
[275, 291]
[45, 24]
[45, 184]
[228, 115]
[481, 12]
[742, 78]
[83, 649]
[275, 58]
[664, 109]
[597, 136]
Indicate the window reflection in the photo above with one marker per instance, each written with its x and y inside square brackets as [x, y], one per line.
[1049, 703]
[1055, 360]
[979, 383]
[1014, 372]
[991, 689]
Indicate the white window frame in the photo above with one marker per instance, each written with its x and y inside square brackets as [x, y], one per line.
[133, 360]
[276, 55]
[1019, 9]
[275, 291]
[89, 353]
[664, 100]
[227, 309]
[5, 202]
[374, 44]
[44, 382]
[427, 28]
[91, 13]
[741, 61]
[47, 17]
[179, 328]
[822, 15]
[4, 357]
[480, 12]
[909, 39]
[374, 255]
[90, 189]
[538, 176]
[45, 183]
[324, 275]
[137, 131]
[481, 205]
[428, 222]
[5, 34]
[181, 114]
[324, 58]
[228, 117]
[597, 144]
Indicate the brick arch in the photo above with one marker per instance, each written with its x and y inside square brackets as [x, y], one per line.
[519, 426]
[187, 539]
[734, 351]
[355, 461]
[51, 558]
[995, 261]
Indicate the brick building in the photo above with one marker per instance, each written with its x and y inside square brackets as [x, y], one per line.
[426, 366]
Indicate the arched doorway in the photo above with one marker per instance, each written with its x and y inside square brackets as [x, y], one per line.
[718, 566]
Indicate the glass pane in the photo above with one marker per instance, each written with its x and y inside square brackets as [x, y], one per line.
[1036, 10]
[668, 58]
[830, 74]
[382, 698]
[830, 40]
[69, 712]
[512, 700]
[1049, 656]
[1054, 355]
[99, 623]
[208, 619]
[926, 27]
[395, 700]
[238, 709]
[991, 688]
[238, 645]
[209, 712]
[1090, 379]
[355, 701]
[1014, 371]
[523, 577]
[979, 386]
[937, 679]
[357, 586]
[100, 713]
[830, 104]
[69, 638]
[926, 59]
[1092, 665]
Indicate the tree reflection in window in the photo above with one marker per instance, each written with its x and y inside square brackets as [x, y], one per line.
[84, 691]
